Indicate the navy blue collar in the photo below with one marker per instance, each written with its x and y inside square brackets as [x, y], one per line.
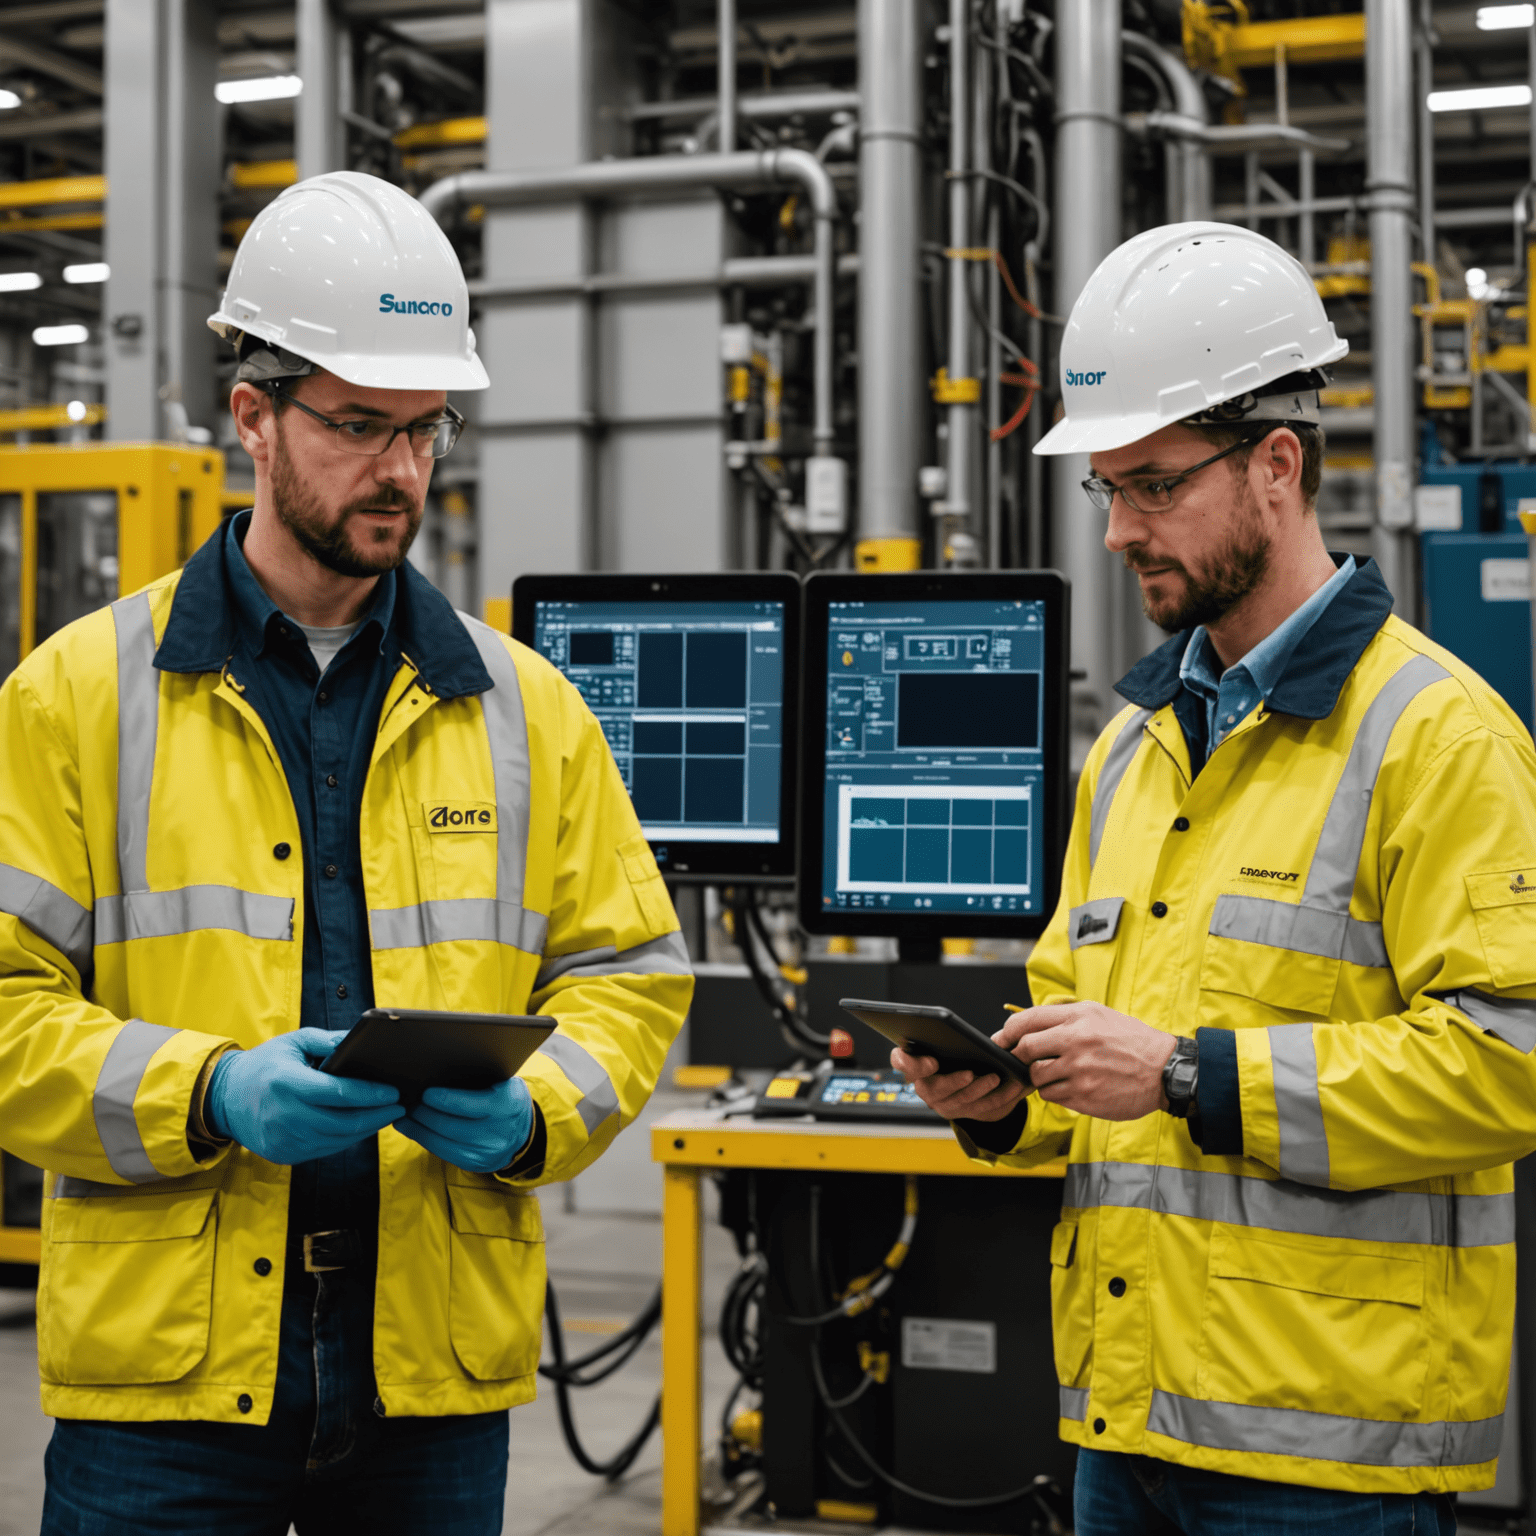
[204, 624]
[1310, 684]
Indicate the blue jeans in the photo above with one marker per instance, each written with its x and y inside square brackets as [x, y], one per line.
[1121, 1495]
[327, 1462]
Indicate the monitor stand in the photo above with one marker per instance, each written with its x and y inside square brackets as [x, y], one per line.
[919, 951]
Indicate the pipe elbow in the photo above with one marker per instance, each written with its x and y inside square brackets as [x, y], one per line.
[802, 167]
[441, 198]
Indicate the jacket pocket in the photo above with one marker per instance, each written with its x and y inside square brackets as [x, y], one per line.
[126, 1288]
[1504, 908]
[1071, 1306]
[1299, 1324]
[496, 1280]
[1293, 987]
[646, 882]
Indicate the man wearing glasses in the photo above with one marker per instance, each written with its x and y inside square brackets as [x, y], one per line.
[270, 1295]
[1285, 1021]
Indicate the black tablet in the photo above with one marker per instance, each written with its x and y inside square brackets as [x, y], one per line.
[936, 1032]
[412, 1049]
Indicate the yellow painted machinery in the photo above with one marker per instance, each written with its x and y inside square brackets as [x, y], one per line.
[81, 523]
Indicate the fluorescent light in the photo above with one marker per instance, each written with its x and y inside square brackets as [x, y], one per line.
[60, 335]
[86, 272]
[1497, 18]
[19, 282]
[9, 99]
[75, 410]
[267, 88]
[1479, 98]
[1477, 282]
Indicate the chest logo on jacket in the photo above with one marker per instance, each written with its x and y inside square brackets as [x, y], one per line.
[461, 816]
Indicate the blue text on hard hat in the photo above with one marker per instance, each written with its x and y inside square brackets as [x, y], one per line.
[1086, 378]
[389, 304]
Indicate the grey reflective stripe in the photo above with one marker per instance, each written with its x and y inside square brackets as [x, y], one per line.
[117, 1086]
[1278, 1205]
[1323, 1436]
[473, 918]
[1074, 1403]
[666, 956]
[1095, 922]
[66, 1188]
[1116, 761]
[1510, 1019]
[1298, 1104]
[1303, 930]
[1321, 924]
[598, 1098]
[192, 909]
[55, 918]
[138, 719]
[506, 730]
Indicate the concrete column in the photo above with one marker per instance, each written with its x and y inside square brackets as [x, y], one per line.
[1389, 182]
[1087, 227]
[891, 408]
[319, 134]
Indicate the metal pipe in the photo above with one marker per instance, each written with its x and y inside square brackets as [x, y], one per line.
[769, 104]
[1087, 228]
[1389, 184]
[891, 406]
[1194, 191]
[1231, 136]
[733, 272]
[726, 73]
[1306, 217]
[961, 415]
[745, 170]
[316, 123]
[1424, 49]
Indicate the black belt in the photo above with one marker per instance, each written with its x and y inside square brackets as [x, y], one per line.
[332, 1250]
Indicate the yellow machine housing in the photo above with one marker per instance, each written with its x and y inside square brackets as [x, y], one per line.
[80, 524]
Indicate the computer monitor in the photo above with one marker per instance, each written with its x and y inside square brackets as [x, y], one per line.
[695, 682]
[933, 799]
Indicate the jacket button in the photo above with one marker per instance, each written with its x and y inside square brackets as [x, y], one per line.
[330, 779]
[1181, 824]
[378, 1406]
[1099, 1426]
[1159, 909]
[325, 698]
[341, 991]
[331, 871]
[262, 1266]
[1117, 1286]
[281, 851]
[244, 1403]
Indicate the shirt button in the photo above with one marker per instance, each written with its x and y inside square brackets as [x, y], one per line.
[330, 779]
[341, 991]
[1231, 719]
[1159, 909]
[1181, 824]
[331, 872]
[244, 1403]
[281, 851]
[1099, 1426]
[262, 1266]
[1117, 1286]
[325, 698]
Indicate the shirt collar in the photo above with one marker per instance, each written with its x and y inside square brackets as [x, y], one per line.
[1266, 662]
[1309, 682]
[217, 594]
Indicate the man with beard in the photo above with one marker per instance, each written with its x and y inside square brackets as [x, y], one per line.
[285, 785]
[1285, 1013]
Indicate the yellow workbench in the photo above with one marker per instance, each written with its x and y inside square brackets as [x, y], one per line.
[691, 1141]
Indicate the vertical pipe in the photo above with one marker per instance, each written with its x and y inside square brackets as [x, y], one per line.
[994, 406]
[725, 28]
[1251, 189]
[1087, 228]
[988, 63]
[315, 114]
[1389, 183]
[960, 492]
[1429, 244]
[1306, 222]
[891, 409]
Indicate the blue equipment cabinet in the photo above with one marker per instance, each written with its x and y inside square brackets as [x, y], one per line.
[1481, 612]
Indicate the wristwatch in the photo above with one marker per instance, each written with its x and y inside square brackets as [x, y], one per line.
[1181, 1079]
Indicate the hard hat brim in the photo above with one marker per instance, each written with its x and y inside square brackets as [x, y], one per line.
[1099, 434]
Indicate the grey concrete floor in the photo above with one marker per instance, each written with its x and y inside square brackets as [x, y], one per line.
[604, 1267]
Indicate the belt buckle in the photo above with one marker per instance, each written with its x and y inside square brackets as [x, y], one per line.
[309, 1253]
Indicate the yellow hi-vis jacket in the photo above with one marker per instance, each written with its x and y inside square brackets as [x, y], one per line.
[1343, 905]
[145, 924]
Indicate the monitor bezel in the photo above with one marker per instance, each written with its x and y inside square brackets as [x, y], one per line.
[702, 863]
[824, 588]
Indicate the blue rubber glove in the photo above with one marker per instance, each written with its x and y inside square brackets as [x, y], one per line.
[478, 1129]
[274, 1100]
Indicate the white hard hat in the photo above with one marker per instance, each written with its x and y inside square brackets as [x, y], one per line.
[1191, 321]
[348, 273]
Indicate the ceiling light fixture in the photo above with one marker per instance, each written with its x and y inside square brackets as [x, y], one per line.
[1499, 18]
[19, 282]
[8, 100]
[1479, 98]
[266, 88]
[86, 272]
[60, 335]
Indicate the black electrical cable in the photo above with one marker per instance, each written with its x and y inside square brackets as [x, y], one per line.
[567, 1374]
[749, 925]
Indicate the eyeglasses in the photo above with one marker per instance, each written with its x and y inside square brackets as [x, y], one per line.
[431, 439]
[1147, 495]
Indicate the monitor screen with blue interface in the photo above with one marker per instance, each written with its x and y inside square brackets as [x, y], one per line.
[935, 760]
[692, 690]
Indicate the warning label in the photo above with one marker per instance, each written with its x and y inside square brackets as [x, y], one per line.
[947, 1344]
